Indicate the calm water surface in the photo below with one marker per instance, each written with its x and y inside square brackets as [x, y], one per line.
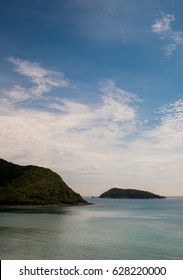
[109, 229]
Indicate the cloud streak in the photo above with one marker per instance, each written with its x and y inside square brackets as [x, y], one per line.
[42, 79]
[163, 27]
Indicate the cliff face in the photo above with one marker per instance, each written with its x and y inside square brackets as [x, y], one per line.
[33, 185]
[129, 193]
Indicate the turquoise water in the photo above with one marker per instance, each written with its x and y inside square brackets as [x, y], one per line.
[109, 229]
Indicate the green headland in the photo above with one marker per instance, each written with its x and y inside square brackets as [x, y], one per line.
[34, 185]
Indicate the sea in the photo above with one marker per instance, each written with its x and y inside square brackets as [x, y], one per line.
[109, 229]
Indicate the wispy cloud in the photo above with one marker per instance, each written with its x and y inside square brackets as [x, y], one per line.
[42, 79]
[169, 133]
[114, 116]
[163, 27]
[163, 24]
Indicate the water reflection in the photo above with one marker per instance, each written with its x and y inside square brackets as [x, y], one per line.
[36, 210]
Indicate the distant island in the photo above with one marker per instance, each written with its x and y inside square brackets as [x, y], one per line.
[34, 185]
[129, 193]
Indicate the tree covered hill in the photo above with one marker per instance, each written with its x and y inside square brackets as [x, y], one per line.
[33, 185]
[128, 193]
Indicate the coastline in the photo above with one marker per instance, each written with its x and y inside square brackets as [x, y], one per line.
[31, 206]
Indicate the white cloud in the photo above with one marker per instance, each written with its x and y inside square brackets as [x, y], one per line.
[108, 86]
[16, 94]
[163, 25]
[169, 133]
[43, 80]
[163, 28]
[103, 119]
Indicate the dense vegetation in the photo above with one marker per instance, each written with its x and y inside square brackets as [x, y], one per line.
[33, 185]
[129, 193]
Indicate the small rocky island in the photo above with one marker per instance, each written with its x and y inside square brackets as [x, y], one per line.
[34, 185]
[129, 193]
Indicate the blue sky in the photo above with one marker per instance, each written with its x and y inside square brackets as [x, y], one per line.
[93, 90]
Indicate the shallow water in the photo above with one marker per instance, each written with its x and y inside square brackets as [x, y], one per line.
[109, 229]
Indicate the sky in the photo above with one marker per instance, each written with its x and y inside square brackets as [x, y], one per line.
[93, 90]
